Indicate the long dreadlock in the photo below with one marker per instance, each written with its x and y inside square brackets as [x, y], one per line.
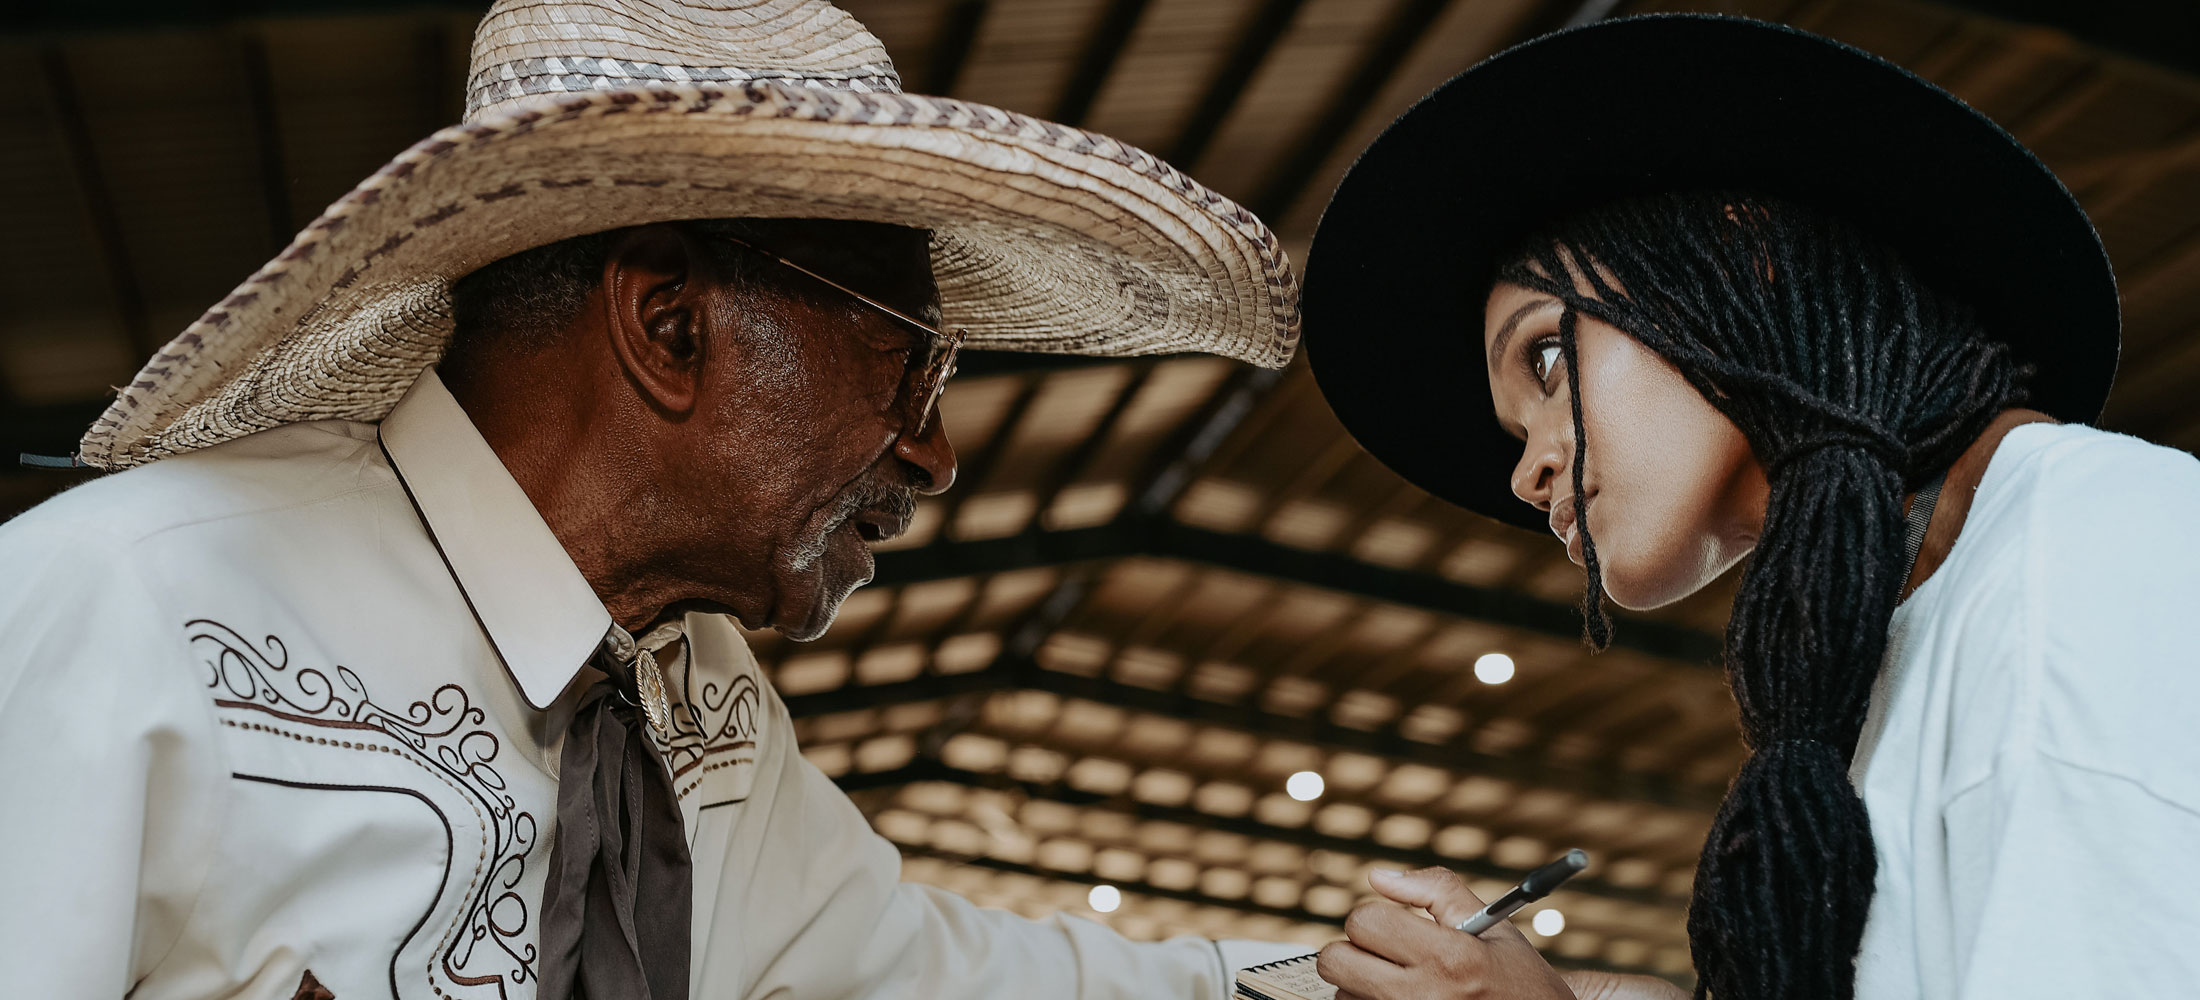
[1853, 383]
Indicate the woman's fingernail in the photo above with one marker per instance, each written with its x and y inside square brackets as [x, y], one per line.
[1386, 874]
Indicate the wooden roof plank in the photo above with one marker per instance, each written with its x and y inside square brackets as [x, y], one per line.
[924, 769]
[1010, 673]
[267, 137]
[1097, 60]
[99, 205]
[1255, 555]
[1230, 79]
[951, 49]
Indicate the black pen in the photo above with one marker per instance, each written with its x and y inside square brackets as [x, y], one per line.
[1537, 885]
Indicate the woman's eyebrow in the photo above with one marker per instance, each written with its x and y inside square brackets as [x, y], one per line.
[1506, 329]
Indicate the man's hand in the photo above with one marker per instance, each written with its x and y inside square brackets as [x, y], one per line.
[1395, 954]
[1613, 986]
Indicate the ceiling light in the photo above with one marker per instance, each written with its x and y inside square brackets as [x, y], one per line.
[1106, 898]
[1493, 668]
[1547, 923]
[1305, 786]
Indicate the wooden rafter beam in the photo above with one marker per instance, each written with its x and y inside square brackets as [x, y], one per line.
[992, 364]
[442, 95]
[1064, 469]
[99, 204]
[1262, 31]
[2153, 30]
[1111, 35]
[1408, 25]
[1158, 537]
[1297, 167]
[1294, 913]
[1188, 449]
[267, 137]
[2148, 29]
[981, 463]
[1025, 674]
[931, 770]
[958, 34]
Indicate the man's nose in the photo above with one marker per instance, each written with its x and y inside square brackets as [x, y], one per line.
[929, 456]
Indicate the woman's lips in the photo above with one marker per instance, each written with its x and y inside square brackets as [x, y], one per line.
[1566, 524]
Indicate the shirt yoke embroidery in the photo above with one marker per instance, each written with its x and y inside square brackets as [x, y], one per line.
[256, 689]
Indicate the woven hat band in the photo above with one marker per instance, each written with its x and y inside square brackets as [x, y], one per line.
[498, 87]
[530, 48]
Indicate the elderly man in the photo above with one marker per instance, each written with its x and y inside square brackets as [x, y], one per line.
[372, 678]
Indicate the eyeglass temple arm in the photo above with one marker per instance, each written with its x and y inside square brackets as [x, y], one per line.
[954, 337]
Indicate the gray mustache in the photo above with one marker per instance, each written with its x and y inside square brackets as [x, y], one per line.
[899, 501]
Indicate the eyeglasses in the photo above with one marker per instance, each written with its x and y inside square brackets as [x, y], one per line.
[938, 366]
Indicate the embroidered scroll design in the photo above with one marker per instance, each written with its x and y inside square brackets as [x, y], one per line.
[710, 718]
[445, 732]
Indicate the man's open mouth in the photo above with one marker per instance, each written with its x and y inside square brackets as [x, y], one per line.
[878, 525]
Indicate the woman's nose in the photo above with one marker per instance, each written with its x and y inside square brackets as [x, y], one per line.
[1537, 470]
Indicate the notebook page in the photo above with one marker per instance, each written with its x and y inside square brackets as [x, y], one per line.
[1287, 980]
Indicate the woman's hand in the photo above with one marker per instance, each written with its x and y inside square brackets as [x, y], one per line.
[1395, 954]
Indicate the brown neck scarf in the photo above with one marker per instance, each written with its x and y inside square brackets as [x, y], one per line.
[618, 902]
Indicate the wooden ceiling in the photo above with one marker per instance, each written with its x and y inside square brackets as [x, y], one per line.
[1163, 585]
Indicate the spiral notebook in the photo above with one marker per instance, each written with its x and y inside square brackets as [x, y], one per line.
[1290, 979]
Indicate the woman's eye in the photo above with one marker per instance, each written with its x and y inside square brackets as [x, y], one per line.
[1545, 360]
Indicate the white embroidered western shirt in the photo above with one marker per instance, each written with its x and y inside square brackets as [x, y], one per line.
[287, 711]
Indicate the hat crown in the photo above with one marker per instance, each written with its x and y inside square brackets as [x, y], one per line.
[526, 50]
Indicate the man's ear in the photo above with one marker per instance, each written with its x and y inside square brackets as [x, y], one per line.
[655, 280]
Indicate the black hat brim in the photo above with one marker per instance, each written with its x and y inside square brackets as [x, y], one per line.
[1404, 254]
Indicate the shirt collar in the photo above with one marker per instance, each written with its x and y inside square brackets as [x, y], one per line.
[542, 617]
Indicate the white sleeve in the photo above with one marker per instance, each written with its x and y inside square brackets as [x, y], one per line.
[107, 772]
[2075, 866]
[808, 902]
[2074, 883]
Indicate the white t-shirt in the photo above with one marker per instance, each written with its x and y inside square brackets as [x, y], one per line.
[2031, 761]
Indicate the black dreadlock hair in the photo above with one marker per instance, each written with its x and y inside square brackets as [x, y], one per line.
[1854, 383]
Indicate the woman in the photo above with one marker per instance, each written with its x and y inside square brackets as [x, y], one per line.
[1746, 292]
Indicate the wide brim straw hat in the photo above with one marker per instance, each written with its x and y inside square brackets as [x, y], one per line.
[1405, 253]
[585, 117]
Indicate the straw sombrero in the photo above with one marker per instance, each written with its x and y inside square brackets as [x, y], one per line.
[582, 117]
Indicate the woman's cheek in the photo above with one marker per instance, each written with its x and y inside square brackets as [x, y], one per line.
[1624, 522]
[1654, 557]
[1617, 558]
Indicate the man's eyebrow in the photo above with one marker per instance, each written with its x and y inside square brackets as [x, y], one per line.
[1506, 329]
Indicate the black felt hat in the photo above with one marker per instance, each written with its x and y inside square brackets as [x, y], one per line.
[1406, 250]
